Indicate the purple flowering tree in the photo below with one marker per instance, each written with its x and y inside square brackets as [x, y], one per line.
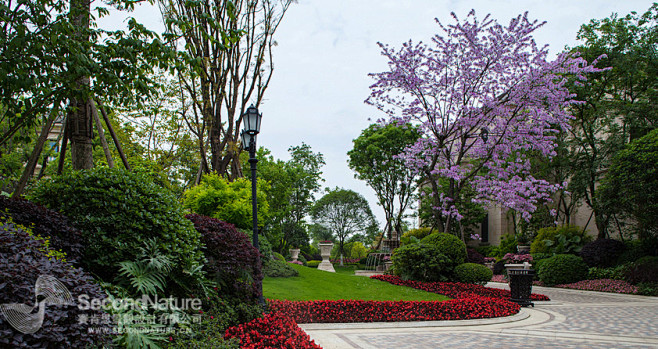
[485, 99]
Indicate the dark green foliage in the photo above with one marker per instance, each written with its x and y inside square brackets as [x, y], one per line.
[644, 270]
[633, 250]
[616, 273]
[602, 252]
[46, 223]
[562, 269]
[473, 273]
[118, 212]
[232, 260]
[631, 184]
[473, 256]
[422, 262]
[487, 250]
[448, 245]
[218, 314]
[22, 262]
[566, 239]
[279, 269]
[507, 245]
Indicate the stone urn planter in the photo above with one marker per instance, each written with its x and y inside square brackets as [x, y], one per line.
[325, 252]
[523, 249]
[294, 253]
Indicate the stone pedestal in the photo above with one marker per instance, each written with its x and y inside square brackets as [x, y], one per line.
[294, 254]
[325, 252]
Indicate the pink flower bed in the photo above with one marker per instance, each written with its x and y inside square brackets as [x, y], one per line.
[454, 289]
[602, 285]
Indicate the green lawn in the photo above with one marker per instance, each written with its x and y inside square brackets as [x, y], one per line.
[313, 284]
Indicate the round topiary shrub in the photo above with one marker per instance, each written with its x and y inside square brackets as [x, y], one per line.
[472, 273]
[449, 245]
[231, 258]
[118, 212]
[23, 261]
[602, 252]
[473, 256]
[562, 269]
[279, 269]
[48, 224]
[421, 262]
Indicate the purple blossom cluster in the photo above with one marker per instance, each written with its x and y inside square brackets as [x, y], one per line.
[296, 262]
[480, 75]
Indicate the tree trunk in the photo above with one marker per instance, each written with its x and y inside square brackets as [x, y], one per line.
[79, 118]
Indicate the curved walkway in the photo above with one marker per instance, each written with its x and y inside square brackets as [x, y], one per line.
[572, 319]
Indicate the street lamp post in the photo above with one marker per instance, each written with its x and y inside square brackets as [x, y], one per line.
[251, 127]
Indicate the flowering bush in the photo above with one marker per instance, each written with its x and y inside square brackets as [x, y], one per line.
[296, 262]
[329, 311]
[602, 285]
[454, 289]
[274, 330]
[517, 258]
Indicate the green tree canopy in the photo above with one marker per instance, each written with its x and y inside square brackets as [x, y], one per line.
[619, 102]
[631, 185]
[344, 212]
[374, 159]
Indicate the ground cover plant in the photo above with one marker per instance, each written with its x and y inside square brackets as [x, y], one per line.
[23, 261]
[454, 289]
[313, 284]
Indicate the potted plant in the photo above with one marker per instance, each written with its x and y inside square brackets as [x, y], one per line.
[523, 245]
[517, 261]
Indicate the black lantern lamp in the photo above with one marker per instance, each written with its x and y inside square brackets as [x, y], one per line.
[251, 120]
[251, 127]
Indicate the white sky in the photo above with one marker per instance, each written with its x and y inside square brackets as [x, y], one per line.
[326, 48]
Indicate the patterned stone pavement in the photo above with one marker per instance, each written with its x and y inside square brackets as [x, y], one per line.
[572, 319]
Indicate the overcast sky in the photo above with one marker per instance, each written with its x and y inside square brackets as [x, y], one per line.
[326, 48]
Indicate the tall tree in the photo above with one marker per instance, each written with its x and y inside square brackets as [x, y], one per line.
[344, 212]
[481, 95]
[226, 64]
[293, 184]
[375, 159]
[620, 103]
[631, 186]
[53, 59]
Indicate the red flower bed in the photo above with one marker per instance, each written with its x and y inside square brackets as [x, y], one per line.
[389, 311]
[454, 289]
[274, 330]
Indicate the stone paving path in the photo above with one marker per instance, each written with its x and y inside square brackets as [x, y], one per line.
[572, 319]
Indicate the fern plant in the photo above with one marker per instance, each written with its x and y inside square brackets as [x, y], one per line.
[147, 275]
